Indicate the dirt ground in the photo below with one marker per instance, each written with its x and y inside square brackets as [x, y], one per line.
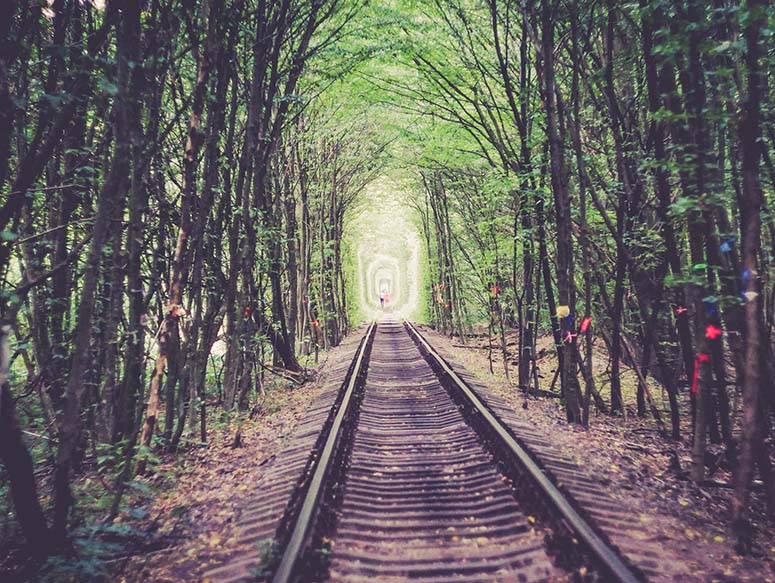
[180, 524]
[638, 466]
[194, 518]
[641, 469]
[187, 524]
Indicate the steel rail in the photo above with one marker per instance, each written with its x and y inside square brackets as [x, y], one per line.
[304, 522]
[607, 558]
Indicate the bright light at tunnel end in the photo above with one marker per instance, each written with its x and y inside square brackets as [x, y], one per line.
[388, 249]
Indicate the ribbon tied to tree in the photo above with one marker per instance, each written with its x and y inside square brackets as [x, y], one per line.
[585, 323]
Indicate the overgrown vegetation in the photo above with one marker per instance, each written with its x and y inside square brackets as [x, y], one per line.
[178, 224]
[603, 171]
[173, 209]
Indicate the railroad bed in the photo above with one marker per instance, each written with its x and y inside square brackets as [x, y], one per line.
[414, 478]
[422, 498]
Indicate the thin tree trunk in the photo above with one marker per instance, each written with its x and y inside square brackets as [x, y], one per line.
[662, 187]
[110, 198]
[18, 462]
[566, 289]
[622, 203]
[174, 310]
[583, 236]
[750, 201]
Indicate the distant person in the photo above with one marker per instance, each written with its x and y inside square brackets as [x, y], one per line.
[382, 299]
[387, 298]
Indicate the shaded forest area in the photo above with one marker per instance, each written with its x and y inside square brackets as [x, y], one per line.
[177, 179]
[165, 190]
[620, 198]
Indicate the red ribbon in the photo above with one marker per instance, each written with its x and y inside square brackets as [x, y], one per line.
[712, 332]
[696, 378]
[585, 325]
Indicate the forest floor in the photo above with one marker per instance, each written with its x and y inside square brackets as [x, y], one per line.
[180, 521]
[177, 520]
[194, 517]
[645, 470]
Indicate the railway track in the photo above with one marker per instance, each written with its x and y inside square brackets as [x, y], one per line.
[414, 477]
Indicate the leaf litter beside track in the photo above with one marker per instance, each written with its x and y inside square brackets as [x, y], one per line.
[638, 469]
[195, 512]
[193, 517]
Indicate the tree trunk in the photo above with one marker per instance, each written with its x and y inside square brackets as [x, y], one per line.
[180, 262]
[111, 197]
[657, 135]
[18, 462]
[694, 89]
[750, 201]
[583, 236]
[566, 289]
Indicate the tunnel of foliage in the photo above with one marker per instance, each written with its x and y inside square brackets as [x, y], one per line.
[182, 180]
